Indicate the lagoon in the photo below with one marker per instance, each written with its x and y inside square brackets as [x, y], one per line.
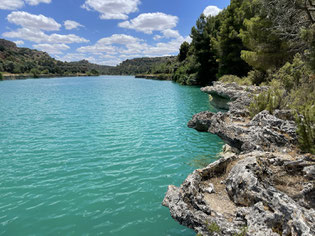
[94, 155]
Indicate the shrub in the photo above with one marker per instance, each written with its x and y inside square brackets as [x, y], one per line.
[235, 79]
[306, 129]
[184, 75]
[1, 76]
[256, 77]
[45, 72]
[292, 87]
[213, 227]
[269, 100]
[35, 72]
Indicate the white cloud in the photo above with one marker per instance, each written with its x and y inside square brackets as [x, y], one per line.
[157, 37]
[17, 4]
[106, 45]
[97, 49]
[11, 4]
[167, 48]
[75, 57]
[52, 48]
[149, 22]
[169, 33]
[211, 11]
[30, 21]
[112, 9]
[121, 46]
[38, 36]
[70, 24]
[19, 42]
[36, 2]
[122, 39]
[101, 60]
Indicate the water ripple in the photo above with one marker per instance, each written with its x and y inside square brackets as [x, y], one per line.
[94, 156]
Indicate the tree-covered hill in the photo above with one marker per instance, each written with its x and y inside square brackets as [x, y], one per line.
[16, 60]
[144, 65]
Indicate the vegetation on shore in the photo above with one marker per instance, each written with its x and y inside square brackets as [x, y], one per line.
[34, 63]
[262, 42]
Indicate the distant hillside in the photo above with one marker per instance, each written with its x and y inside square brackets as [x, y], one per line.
[142, 65]
[16, 60]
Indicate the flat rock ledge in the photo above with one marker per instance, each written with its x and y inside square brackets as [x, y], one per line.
[261, 185]
[223, 93]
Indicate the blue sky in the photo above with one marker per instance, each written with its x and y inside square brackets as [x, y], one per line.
[102, 31]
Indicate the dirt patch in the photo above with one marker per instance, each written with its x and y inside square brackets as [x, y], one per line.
[219, 201]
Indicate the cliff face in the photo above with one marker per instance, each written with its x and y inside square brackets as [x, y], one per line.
[260, 185]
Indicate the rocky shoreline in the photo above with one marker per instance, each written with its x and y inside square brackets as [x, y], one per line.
[261, 185]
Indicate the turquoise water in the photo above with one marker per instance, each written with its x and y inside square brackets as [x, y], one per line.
[94, 156]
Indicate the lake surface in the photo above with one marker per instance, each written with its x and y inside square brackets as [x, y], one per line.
[94, 155]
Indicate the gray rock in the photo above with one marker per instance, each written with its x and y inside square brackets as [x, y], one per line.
[309, 172]
[232, 92]
[210, 189]
[263, 132]
[284, 114]
[258, 207]
[201, 121]
[258, 187]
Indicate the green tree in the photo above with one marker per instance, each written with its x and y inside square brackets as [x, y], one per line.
[203, 48]
[9, 66]
[183, 51]
[265, 49]
[35, 72]
[308, 36]
[229, 43]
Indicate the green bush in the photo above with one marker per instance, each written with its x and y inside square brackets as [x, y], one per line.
[256, 77]
[45, 72]
[306, 129]
[292, 87]
[269, 100]
[184, 75]
[35, 72]
[213, 227]
[1, 76]
[235, 79]
[293, 74]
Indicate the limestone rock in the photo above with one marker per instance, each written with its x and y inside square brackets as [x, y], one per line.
[260, 186]
[251, 202]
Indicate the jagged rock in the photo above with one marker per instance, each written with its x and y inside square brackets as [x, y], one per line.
[250, 183]
[254, 200]
[263, 132]
[284, 114]
[230, 93]
[309, 172]
[262, 186]
[231, 90]
[201, 122]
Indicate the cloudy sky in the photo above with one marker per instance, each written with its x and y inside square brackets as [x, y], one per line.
[102, 31]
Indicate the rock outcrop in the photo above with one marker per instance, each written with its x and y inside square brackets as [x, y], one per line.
[260, 185]
[230, 93]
